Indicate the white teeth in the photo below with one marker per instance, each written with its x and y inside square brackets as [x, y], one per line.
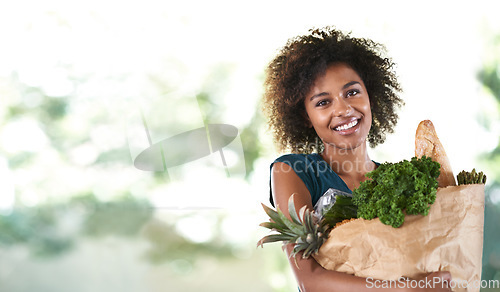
[347, 126]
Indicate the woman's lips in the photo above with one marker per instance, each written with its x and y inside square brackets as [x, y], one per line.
[348, 127]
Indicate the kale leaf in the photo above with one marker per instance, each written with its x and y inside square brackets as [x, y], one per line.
[342, 209]
[396, 187]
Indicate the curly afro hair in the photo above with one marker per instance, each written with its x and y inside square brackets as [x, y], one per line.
[292, 73]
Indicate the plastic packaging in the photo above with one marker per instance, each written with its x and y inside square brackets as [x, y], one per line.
[326, 201]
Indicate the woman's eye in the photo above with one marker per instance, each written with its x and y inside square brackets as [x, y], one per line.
[352, 92]
[322, 102]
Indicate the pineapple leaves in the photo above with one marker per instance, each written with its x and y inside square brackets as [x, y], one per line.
[301, 230]
[272, 238]
[293, 212]
[272, 214]
[308, 220]
[294, 227]
[277, 227]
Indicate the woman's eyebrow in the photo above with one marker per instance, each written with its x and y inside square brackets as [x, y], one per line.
[318, 95]
[350, 84]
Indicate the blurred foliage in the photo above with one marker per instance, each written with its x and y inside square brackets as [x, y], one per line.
[489, 76]
[249, 133]
[35, 227]
[54, 226]
[75, 182]
[212, 111]
[124, 216]
[36, 103]
[50, 229]
[252, 148]
[167, 245]
[491, 248]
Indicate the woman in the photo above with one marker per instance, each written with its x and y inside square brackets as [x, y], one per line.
[328, 95]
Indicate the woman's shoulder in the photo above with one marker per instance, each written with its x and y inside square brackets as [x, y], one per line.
[303, 163]
[297, 157]
[304, 166]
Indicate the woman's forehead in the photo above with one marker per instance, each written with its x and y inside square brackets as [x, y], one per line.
[337, 74]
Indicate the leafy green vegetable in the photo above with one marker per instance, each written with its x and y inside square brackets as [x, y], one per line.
[342, 209]
[394, 187]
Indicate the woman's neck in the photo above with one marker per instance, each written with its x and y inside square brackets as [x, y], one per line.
[348, 162]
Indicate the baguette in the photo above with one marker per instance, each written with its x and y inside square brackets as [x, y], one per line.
[427, 143]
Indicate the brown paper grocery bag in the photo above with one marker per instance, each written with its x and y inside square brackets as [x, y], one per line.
[450, 239]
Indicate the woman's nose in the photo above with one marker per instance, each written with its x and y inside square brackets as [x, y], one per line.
[341, 107]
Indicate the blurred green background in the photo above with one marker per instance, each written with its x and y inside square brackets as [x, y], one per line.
[86, 86]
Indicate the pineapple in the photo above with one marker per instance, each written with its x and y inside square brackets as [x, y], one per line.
[304, 230]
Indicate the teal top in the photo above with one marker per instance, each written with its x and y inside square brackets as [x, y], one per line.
[315, 172]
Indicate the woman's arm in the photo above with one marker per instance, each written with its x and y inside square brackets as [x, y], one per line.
[310, 275]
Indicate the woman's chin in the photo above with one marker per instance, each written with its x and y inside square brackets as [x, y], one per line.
[346, 145]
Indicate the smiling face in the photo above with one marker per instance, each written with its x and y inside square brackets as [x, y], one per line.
[338, 108]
